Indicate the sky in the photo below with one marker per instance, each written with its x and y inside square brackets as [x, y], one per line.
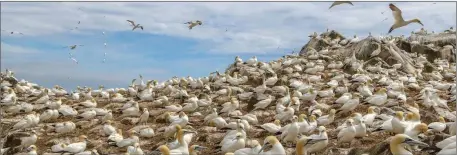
[167, 48]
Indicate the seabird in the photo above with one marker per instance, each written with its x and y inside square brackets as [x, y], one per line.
[135, 26]
[399, 21]
[193, 24]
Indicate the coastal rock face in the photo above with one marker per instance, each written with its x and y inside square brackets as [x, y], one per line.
[393, 49]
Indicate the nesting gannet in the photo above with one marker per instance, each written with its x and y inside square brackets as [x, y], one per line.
[277, 148]
[348, 133]
[127, 141]
[77, 147]
[397, 149]
[379, 98]
[144, 117]
[237, 143]
[135, 149]
[305, 143]
[339, 3]
[350, 104]
[438, 126]
[399, 21]
[272, 127]
[292, 131]
[135, 26]
[192, 24]
[327, 119]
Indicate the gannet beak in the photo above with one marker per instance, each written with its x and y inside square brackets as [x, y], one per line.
[263, 147]
[313, 141]
[415, 142]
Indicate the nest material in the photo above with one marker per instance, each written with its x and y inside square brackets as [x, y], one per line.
[398, 52]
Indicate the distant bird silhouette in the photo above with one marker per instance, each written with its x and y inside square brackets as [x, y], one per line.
[72, 47]
[339, 3]
[399, 21]
[135, 26]
[193, 24]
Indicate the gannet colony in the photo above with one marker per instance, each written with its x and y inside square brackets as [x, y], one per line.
[338, 96]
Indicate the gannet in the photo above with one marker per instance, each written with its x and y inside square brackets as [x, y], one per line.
[349, 104]
[132, 23]
[305, 143]
[438, 126]
[327, 119]
[277, 148]
[399, 21]
[370, 116]
[127, 141]
[397, 149]
[291, 132]
[77, 147]
[347, 134]
[379, 98]
[192, 24]
[253, 149]
[135, 149]
[144, 117]
[237, 143]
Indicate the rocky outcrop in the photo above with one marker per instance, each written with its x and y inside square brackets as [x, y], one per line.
[394, 50]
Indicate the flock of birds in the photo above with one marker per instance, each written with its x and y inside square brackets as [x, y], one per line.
[299, 104]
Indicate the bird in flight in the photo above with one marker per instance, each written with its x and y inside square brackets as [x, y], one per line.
[399, 21]
[72, 47]
[134, 26]
[193, 24]
[339, 3]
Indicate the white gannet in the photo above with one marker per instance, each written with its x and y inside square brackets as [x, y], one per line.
[77, 147]
[438, 126]
[237, 143]
[347, 134]
[277, 148]
[399, 21]
[397, 148]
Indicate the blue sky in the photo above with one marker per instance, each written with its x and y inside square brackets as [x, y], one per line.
[166, 48]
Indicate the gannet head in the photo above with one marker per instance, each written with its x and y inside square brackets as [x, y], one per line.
[421, 127]
[277, 122]
[371, 109]
[441, 119]
[312, 118]
[321, 129]
[349, 122]
[399, 115]
[269, 141]
[405, 139]
[163, 149]
[83, 138]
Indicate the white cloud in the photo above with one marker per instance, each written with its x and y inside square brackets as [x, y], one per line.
[258, 27]
[12, 49]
